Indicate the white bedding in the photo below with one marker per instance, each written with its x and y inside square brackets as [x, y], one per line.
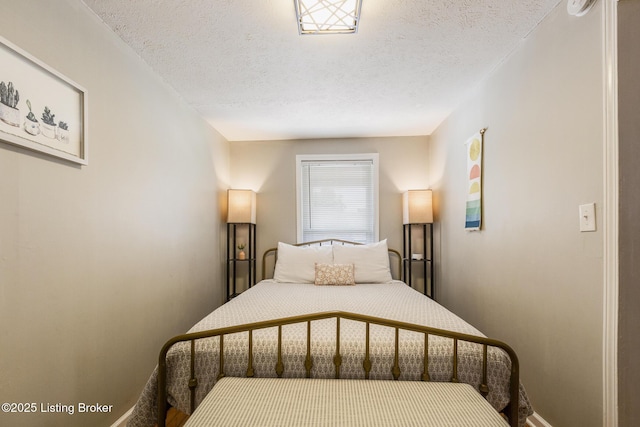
[272, 300]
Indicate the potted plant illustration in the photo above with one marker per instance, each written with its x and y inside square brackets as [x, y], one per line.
[63, 132]
[241, 254]
[9, 97]
[31, 124]
[48, 124]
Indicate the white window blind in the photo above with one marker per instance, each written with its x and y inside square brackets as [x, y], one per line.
[338, 198]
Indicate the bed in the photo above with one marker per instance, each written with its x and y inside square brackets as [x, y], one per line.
[297, 402]
[292, 293]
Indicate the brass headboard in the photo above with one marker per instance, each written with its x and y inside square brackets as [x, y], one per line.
[324, 242]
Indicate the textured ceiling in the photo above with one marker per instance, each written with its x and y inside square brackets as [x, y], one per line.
[242, 65]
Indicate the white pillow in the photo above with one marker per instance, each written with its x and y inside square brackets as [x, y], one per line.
[371, 261]
[297, 264]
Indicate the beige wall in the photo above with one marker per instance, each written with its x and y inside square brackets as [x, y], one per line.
[629, 307]
[529, 276]
[100, 264]
[269, 167]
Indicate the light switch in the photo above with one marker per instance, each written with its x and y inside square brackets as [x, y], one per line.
[588, 217]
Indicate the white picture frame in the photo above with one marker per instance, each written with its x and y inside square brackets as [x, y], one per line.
[40, 108]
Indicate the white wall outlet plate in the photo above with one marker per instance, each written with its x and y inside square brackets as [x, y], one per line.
[588, 217]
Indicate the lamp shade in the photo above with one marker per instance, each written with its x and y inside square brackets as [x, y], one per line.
[241, 206]
[417, 207]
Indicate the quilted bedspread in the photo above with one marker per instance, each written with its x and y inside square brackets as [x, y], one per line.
[271, 300]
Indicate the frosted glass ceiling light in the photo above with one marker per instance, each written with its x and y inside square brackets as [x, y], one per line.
[328, 16]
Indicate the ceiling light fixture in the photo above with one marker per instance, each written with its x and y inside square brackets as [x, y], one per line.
[328, 16]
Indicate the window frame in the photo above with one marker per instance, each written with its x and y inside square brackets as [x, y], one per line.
[373, 157]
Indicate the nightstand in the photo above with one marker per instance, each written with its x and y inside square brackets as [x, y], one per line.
[417, 256]
[241, 263]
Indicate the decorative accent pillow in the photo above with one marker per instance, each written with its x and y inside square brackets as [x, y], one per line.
[296, 264]
[371, 262]
[334, 274]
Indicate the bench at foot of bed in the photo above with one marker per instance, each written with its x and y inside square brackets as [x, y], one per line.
[329, 402]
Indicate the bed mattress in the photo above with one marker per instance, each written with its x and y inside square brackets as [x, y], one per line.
[299, 402]
[271, 300]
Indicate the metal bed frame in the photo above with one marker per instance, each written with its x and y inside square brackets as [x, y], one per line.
[511, 411]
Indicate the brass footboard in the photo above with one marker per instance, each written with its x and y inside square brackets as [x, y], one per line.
[511, 412]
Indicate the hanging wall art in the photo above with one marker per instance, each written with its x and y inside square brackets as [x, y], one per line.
[40, 109]
[473, 219]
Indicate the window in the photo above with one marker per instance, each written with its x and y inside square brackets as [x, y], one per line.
[337, 197]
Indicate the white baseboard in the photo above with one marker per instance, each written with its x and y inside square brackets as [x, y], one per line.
[122, 421]
[536, 420]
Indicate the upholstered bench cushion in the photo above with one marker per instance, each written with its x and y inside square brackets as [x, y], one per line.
[327, 402]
